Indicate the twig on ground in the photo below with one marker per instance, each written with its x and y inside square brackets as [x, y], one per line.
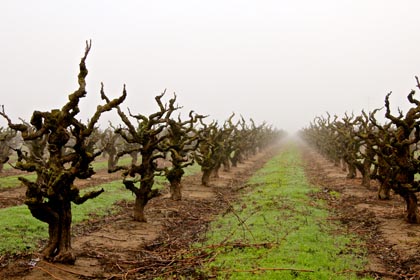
[240, 245]
[108, 237]
[242, 222]
[258, 269]
[63, 269]
[48, 272]
[383, 273]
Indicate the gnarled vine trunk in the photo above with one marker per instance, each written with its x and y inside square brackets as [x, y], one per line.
[384, 191]
[413, 216]
[205, 178]
[138, 211]
[351, 174]
[174, 177]
[57, 214]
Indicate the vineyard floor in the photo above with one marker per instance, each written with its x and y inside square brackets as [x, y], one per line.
[117, 248]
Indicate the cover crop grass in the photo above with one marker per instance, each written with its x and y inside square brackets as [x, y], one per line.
[277, 231]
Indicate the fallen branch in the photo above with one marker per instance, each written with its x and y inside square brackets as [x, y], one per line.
[48, 272]
[155, 265]
[258, 269]
[244, 186]
[383, 273]
[242, 222]
[240, 245]
[198, 255]
[63, 268]
[109, 237]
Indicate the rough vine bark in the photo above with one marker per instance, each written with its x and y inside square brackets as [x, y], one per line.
[404, 132]
[6, 145]
[110, 144]
[379, 137]
[205, 155]
[146, 138]
[239, 143]
[49, 197]
[181, 141]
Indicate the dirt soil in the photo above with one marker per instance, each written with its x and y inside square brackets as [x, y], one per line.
[115, 247]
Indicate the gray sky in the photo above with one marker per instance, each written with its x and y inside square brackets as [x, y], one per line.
[283, 62]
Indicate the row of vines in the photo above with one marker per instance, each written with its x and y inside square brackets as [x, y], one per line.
[386, 152]
[59, 148]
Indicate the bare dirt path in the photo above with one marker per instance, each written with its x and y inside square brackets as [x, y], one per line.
[115, 247]
[392, 243]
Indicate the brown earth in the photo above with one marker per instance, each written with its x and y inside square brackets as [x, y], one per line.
[117, 248]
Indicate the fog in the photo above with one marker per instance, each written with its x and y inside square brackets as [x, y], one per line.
[283, 62]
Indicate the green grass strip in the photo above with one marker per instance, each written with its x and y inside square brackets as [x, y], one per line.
[278, 226]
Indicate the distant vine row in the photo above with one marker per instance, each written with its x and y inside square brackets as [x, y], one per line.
[385, 152]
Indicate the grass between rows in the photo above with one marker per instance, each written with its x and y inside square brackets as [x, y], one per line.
[278, 231]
